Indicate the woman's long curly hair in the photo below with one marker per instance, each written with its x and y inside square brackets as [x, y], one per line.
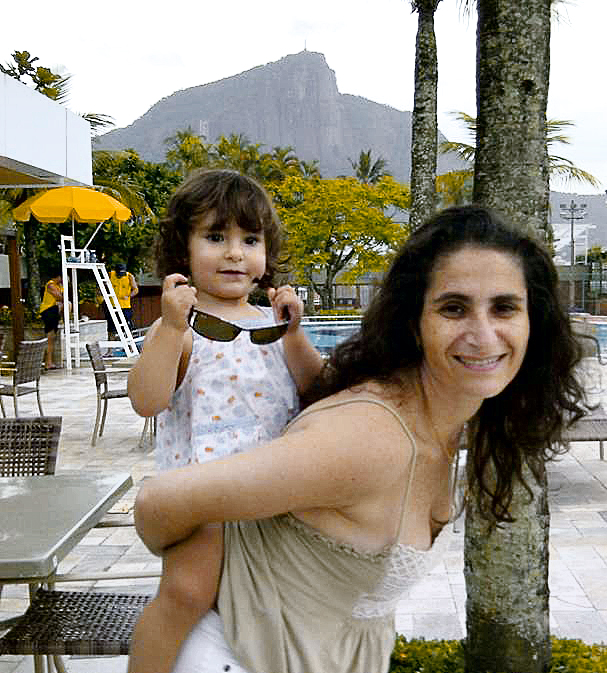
[232, 197]
[524, 422]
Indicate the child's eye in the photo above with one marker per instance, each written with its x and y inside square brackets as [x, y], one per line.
[252, 240]
[215, 236]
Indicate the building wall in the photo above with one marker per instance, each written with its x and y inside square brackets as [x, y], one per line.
[41, 139]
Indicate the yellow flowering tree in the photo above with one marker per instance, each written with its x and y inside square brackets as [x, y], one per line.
[340, 226]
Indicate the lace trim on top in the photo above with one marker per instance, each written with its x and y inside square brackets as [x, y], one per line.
[404, 567]
[335, 545]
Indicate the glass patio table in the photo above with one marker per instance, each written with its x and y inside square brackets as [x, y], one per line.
[43, 518]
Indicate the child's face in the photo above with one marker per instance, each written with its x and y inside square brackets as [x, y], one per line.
[226, 263]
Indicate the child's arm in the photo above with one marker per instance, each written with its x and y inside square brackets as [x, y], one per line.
[303, 360]
[167, 347]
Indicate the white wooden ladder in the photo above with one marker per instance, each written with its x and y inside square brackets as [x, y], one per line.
[76, 259]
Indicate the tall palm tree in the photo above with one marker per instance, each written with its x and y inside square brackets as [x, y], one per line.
[506, 567]
[558, 166]
[424, 125]
[366, 170]
[187, 151]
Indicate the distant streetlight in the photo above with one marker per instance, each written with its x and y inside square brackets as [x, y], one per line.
[572, 212]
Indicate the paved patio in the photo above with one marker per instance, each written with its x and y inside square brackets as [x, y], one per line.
[435, 608]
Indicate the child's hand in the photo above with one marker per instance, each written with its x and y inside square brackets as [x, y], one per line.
[177, 300]
[287, 305]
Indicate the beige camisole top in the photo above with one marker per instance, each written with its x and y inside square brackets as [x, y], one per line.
[293, 600]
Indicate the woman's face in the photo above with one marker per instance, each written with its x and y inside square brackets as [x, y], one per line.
[474, 326]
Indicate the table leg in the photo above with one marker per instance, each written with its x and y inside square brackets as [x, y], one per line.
[59, 665]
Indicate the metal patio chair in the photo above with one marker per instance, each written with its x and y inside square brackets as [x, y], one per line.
[25, 370]
[28, 446]
[88, 623]
[104, 392]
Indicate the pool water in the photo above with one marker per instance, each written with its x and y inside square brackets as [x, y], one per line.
[326, 335]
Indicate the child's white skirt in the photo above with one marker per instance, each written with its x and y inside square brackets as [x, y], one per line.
[206, 650]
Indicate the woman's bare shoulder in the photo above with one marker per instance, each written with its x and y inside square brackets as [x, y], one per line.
[367, 421]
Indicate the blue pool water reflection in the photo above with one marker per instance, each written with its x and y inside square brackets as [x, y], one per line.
[326, 335]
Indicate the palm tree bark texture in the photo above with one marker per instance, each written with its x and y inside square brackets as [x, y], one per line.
[424, 131]
[506, 567]
[513, 67]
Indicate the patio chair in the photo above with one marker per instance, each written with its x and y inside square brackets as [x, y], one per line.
[82, 623]
[26, 370]
[28, 446]
[104, 392]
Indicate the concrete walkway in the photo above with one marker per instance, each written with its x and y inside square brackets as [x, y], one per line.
[435, 608]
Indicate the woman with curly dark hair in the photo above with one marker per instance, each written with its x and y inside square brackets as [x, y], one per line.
[326, 527]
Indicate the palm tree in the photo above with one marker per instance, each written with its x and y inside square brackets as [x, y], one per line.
[424, 125]
[366, 170]
[558, 166]
[506, 567]
[187, 151]
[310, 169]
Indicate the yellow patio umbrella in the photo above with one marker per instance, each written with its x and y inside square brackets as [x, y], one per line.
[79, 204]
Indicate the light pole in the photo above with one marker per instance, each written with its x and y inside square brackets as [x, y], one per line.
[572, 212]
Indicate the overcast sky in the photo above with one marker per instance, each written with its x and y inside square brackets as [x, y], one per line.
[126, 55]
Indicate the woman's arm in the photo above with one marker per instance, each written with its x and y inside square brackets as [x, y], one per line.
[55, 291]
[166, 350]
[334, 459]
[134, 286]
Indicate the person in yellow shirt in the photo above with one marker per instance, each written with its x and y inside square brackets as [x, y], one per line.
[125, 287]
[50, 310]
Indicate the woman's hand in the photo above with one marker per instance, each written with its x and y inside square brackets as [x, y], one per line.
[287, 305]
[177, 300]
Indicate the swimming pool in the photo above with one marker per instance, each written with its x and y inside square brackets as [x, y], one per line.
[325, 335]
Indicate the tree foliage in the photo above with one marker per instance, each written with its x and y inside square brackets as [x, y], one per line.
[340, 226]
[558, 166]
[48, 83]
[368, 171]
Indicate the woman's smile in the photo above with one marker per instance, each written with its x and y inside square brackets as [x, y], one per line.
[474, 326]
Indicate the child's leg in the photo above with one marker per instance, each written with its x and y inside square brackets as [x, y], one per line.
[187, 590]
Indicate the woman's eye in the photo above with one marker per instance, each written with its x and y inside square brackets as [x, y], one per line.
[452, 310]
[505, 308]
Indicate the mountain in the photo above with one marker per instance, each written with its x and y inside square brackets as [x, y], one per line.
[293, 101]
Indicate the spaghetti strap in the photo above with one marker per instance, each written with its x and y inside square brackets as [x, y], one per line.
[371, 400]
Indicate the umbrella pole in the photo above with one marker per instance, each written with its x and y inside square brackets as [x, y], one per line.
[93, 236]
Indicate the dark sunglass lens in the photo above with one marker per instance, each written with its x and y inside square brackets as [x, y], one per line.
[214, 328]
[267, 335]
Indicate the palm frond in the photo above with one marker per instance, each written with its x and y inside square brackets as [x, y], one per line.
[463, 151]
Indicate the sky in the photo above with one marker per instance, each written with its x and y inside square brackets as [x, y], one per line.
[125, 56]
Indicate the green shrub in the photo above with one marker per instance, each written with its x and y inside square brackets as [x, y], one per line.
[447, 656]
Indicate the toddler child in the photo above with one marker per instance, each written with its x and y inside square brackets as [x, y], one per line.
[220, 374]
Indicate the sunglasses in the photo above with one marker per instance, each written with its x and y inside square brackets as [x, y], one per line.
[216, 329]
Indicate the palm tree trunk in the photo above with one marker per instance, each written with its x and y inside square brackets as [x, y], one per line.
[507, 571]
[31, 259]
[513, 68]
[424, 127]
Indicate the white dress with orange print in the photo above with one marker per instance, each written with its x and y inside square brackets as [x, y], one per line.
[234, 396]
